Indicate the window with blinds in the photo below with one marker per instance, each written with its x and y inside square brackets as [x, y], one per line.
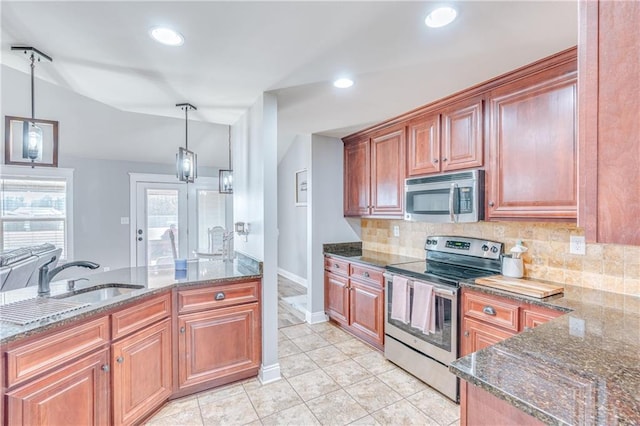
[33, 211]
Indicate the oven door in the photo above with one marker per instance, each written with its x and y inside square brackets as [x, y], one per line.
[441, 345]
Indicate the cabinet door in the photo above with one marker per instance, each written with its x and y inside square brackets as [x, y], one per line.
[609, 124]
[533, 149]
[77, 394]
[356, 178]
[477, 335]
[141, 365]
[533, 316]
[423, 145]
[367, 312]
[336, 297]
[218, 343]
[388, 173]
[462, 140]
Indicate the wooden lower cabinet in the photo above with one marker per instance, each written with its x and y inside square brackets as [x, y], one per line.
[77, 394]
[219, 345]
[336, 297]
[355, 300]
[479, 408]
[141, 365]
[366, 312]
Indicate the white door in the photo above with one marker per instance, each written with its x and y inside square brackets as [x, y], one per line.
[161, 230]
[171, 219]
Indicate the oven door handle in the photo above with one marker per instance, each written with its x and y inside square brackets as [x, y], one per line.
[436, 288]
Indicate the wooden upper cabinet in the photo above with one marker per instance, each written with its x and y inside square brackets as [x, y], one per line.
[533, 146]
[423, 145]
[374, 172]
[609, 55]
[450, 140]
[356, 177]
[388, 172]
[462, 141]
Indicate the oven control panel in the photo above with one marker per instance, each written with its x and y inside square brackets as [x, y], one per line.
[467, 246]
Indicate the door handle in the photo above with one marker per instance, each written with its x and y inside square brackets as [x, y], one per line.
[452, 197]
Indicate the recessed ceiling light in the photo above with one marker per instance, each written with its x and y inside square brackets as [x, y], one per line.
[343, 83]
[167, 36]
[440, 17]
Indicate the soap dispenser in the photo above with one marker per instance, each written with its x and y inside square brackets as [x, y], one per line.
[512, 265]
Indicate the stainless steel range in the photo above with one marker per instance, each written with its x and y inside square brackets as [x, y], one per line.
[449, 260]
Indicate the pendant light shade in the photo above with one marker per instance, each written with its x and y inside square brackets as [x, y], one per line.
[225, 177]
[33, 143]
[186, 161]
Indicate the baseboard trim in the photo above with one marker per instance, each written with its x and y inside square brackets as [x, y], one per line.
[316, 317]
[269, 373]
[293, 277]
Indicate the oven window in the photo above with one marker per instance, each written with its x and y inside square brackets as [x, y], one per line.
[442, 336]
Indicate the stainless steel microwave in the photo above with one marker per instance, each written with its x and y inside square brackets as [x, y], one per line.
[445, 198]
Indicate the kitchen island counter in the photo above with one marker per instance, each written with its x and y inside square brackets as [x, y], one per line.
[580, 368]
[154, 280]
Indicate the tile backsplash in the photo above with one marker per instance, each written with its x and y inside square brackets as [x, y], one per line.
[608, 267]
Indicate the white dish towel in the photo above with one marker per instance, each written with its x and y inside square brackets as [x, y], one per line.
[400, 299]
[424, 311]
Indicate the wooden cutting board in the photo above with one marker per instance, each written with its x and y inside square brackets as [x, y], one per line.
[517, 285]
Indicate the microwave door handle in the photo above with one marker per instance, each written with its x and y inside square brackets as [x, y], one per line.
[453, 195]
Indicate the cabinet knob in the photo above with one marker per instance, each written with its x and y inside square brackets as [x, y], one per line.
[435, 161]
[466, 333]
[491, 204]
[444, 159]
[220, 295]
[182, 330]
[119, 360]
[365, 274]
[489, 310]
[335, 265]
[105, 368]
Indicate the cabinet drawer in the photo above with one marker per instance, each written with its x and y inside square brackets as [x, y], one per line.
[496, 311]
[31, 359]
[336, 266]
[218, 296]
[367, 275]
[142, 314]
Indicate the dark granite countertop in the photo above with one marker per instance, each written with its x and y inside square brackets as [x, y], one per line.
[582, 368]
[153, 279]
[353, 252]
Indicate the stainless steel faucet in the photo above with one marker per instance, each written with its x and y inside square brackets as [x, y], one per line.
[45, 276]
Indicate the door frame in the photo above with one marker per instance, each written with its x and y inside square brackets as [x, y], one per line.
[135, 178]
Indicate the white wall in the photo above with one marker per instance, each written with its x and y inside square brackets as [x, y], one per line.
[255, 163]
[292, 219]
[325, 216]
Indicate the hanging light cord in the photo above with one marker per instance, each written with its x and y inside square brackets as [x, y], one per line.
[230, 163]
[33, 103]
[186, 128]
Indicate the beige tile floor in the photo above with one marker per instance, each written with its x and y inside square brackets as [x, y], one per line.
[328, 378]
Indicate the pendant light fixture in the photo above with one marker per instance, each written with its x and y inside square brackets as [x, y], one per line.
[225, 178]
[32, 145]
[186, 161]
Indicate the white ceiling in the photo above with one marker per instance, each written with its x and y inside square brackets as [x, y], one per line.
[236, 50]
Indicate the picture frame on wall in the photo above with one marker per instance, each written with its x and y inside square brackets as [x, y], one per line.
[15, 142]
[301, 188]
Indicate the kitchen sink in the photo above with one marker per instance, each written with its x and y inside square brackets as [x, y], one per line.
[99, 293]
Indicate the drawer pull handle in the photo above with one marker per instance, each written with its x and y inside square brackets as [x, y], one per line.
[119, 360]
[489, 310]
[365, 274]
[220, 295]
